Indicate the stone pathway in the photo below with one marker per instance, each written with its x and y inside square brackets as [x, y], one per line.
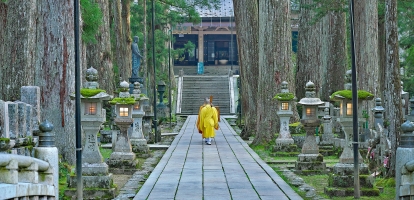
[227, 169]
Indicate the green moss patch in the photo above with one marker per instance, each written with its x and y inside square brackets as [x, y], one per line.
[86, 92]
[6, 140]
[347, 94]
[119, 100]
[284, 96]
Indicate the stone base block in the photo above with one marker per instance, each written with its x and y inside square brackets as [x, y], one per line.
[122, 156]
[284, 154]
[343, 192]
[310, 157]
[365, 181]
[122, 163]
[102, 181]
[139, 146]
[285, 147]
[284, 141]
[310, 166]
[348, 169]
[94, 169]
[312, 162]
[92, 193]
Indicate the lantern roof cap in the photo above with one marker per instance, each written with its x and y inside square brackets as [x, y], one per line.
[310, 96]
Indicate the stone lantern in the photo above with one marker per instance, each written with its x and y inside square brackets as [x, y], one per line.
[138, 142]
[310, 158]
[346, 117]
[284, 112]
[161, 90]
[344, 171]
[122, 155]
[162, 110]
[94, 169]
[378, 111]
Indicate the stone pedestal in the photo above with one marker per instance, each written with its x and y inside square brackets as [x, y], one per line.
[122, 155]
[341, 182]
[310, 161]
[138, 142]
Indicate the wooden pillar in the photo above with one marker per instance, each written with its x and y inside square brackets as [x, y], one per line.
[200, 46]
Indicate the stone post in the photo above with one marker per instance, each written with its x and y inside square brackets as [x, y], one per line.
[378, 111]
[404, 167]
[31, 96]
[310, 159]
[410, 116]
[327, 135]
[285, 99]
[138, 142]
[48, 152]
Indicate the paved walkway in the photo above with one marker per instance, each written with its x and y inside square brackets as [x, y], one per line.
[227, 169]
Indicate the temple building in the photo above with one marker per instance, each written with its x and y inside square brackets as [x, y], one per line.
[215, 38]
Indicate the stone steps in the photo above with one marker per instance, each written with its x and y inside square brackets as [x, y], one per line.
[196, 88]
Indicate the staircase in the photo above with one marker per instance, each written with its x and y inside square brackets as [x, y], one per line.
[192, 90]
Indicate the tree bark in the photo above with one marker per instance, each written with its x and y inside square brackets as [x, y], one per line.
[309, 59]
[392, 93]
[55, 72]
[334, 54]
[366, 48]
[17, 47]
[126, 67]
[99, 55]
[246, 15]
[275, 46]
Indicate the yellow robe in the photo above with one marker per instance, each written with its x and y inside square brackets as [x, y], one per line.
[208, 121]
[198, 119]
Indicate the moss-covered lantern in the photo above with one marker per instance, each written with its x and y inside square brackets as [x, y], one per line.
[285, 99]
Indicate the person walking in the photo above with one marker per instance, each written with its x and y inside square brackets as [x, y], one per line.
[208, 121]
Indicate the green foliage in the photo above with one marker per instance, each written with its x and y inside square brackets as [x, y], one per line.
[284, 96]
[106, 153]
[362, 94]
[86, 92]
[92, 19]
[120, 100]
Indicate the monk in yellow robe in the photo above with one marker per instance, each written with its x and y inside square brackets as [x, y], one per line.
[200, 130]
[208, 121]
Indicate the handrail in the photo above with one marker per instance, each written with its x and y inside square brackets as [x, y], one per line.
[23, 161]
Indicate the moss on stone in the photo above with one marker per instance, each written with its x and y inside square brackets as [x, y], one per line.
[86, 92]
[284, 96]
[6, 140]
[347, 94]
[119, 100]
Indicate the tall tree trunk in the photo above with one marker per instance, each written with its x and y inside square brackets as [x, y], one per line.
[99, 55]
[334, 54]
[126, 67]
[55, 72]
[275, 46]
[17, 47]
[246, 15]
[116, 10]
[309, 67]
[144, 61]
[366, 46]
[381, 55]
[392, 93]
